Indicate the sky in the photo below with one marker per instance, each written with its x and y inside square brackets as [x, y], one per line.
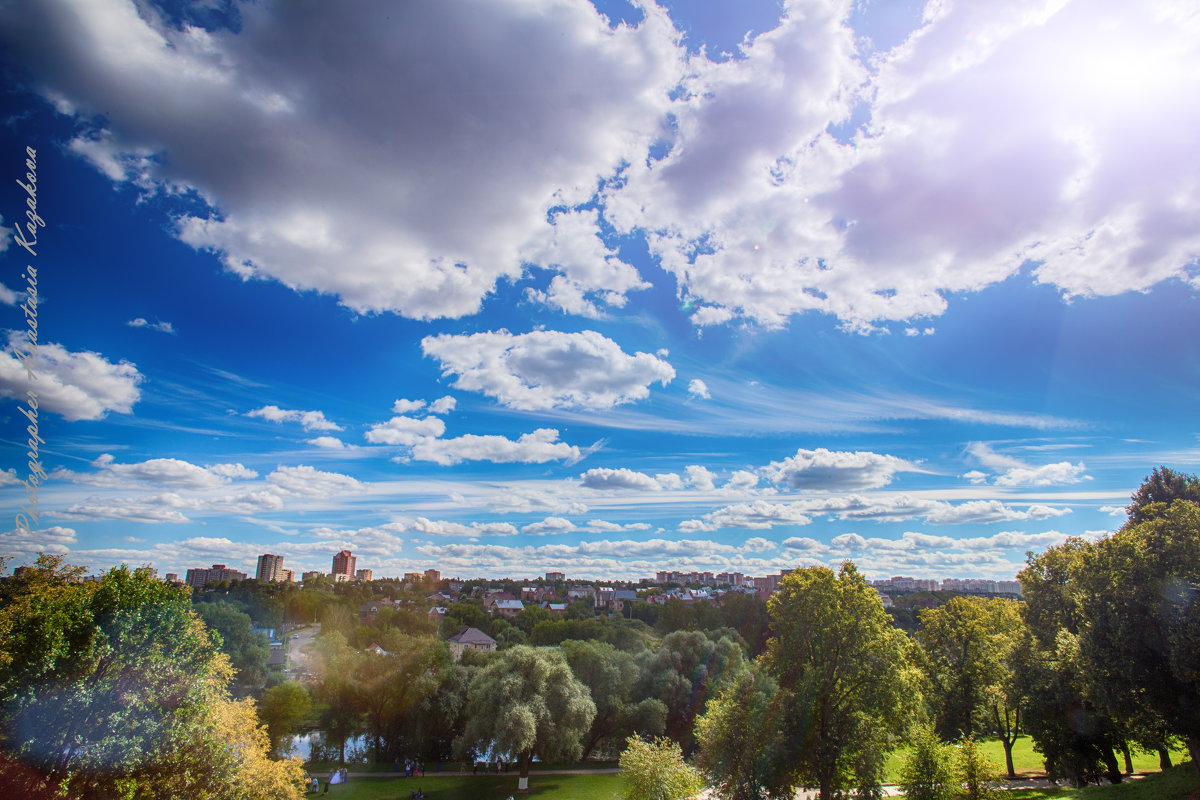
[500, 287]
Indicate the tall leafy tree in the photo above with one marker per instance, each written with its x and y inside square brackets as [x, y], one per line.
[610, 676]
[526, 703]
[655, 770]
[1140, 595]
[970, 645]
[739, 740]
[1165, 486]
[248, 651]
[1074, 734]
[283, 709]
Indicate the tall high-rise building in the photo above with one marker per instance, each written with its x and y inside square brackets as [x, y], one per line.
[270, 568]
[433, 576]
[365, 575]
[197, 578]
[343, 564]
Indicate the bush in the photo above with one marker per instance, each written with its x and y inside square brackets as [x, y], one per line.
[656, 770]
[979, 775]
[928, 771]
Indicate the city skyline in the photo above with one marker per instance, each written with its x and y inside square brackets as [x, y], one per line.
[612, 288]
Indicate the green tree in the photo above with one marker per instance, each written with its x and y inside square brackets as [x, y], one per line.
[655, 770]
[526, 703]
[684, 673]
[843, 673]
[610, 676]
[284, 708]
[969, 647]
[337, 690]
[1075, 736]
[248, 651]
[1164, 486]
[1140, 594]
[739, 736]
[927, 772]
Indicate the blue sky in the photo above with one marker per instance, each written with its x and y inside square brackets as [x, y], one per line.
[508, 287]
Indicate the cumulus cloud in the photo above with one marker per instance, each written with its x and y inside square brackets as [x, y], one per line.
[327, 442]
[443, 405]
[54, 539]
[79, 386]
[309, 420]
[425, 229]
[308, 481]
[741, 480]
[405, 430]
[590, 273]
[997, 134]
[538, 447]
[7, 296]
[449, 528]
[623, 478]
[836, 470]
[547, 369]
[161, 327]
[698, 388]
[550, 525]
[170, 472]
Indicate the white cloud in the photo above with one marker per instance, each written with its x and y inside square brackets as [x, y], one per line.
[9, 477]
[327, 442]
[550, 525]
[171, 472]
[547, 369]
[54, 539]
[425, 229]
[448, 528]
[836, 470]
[405, 430]
[1018, 473]
[980, 511]
[443, 405]
[590, 272]
[309, 420]
[741, 480]
[7, 296]
[307, 481]
[697, 388]
[150, 509]
[79, 386]
[161, 327]
[997, 134]
[699, 477]
[538, 447]
[623, 478]
[403, 406]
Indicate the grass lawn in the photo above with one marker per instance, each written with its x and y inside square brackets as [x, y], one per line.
[1028, 763]
[492, 787]
[1180, 783]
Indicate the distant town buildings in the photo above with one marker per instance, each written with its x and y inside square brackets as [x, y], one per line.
[198, 578]
[433, 576]
[311, 574]
[270, 568]
[555, 577]
[343, 564]
[903, 583]
[364, 575]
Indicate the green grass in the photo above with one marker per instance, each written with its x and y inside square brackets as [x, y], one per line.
[1180, 783]
[491, 787]
[1026, 761]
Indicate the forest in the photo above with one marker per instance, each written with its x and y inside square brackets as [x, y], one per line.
[127, 686]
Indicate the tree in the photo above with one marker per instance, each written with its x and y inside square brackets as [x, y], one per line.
[526, 703]
[114, 688]
[610, 676]
[1140, 594]
[684, 673]
[1075, 736]
[842, 671]
[1164, 486]
[247, 650]
[283, 709]
[969, 646]
[338, 714]
[738, 736]
[655, 770]
[927, 772]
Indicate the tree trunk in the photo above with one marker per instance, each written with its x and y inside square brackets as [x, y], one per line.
[1164, 758]
[1008, 762]
[523, 761]
[1193, 745]
[1111, 770]
[1128, 759]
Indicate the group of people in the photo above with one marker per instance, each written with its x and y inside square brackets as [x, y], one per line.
[501, 766]
[335, 776]
[412, 767]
